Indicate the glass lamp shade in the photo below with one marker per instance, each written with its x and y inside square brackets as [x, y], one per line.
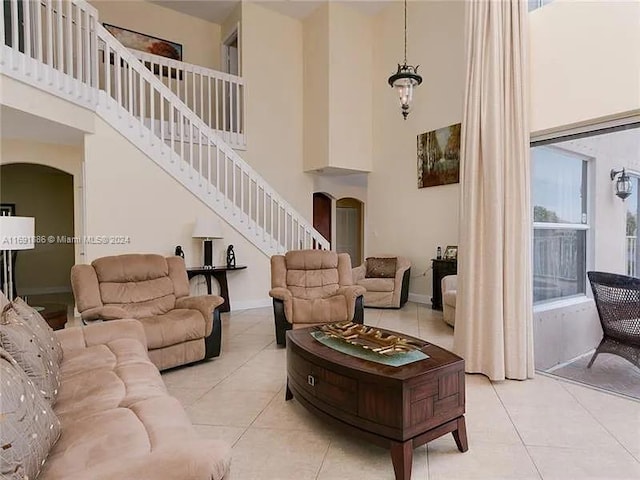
[17, 233]
[623, 183]
[623, 186]
[404, 81]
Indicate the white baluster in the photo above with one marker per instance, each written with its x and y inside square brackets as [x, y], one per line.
[27, 32]
[69, 45]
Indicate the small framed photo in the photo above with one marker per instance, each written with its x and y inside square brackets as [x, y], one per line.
[451, 252]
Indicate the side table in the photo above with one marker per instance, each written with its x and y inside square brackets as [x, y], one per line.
[220, 274]
[441, 268]
[54, 313]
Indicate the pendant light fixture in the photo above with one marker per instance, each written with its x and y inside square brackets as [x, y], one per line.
[406, 77]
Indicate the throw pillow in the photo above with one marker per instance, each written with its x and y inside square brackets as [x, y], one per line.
[28, 426]
[381, 267]
[23, 345]
[40, 327]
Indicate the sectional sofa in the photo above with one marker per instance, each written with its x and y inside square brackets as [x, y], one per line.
[94, 408]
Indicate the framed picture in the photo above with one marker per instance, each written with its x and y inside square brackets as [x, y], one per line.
[451, 252]
[7, 209]
[439, 156]
[146, 43]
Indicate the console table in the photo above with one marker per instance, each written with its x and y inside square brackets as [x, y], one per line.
[220, 274]
[441, 268]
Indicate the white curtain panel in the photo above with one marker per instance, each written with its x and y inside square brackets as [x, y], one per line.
[493, 331]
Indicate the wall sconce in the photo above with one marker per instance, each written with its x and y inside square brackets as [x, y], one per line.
[623, 183]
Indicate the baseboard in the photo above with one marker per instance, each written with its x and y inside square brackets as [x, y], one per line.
[25, 292]
[417, 298]
[248, 304]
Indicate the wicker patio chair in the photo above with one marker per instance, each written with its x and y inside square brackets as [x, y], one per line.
[617, 299]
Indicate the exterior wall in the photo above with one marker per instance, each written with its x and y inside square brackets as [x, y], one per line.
[128, 195]
[200, 39]
[585, 66]
[401, 218]
[272, 67]
[45, 269]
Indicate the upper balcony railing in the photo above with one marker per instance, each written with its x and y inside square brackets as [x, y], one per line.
[216, 97]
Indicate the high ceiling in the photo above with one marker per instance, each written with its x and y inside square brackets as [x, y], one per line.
[217, 10]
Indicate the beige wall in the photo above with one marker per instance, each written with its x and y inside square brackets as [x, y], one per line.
[200, 39]
[350, 88]
[316, 89]
[272, 67]
[401, 218]
[41, 180]
[585, 61]
[338, 76]
[128, 195]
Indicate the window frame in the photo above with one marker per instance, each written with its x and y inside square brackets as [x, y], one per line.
[587, 209]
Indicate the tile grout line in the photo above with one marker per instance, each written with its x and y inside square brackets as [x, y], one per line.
[599, 422]
[324, 457]
[526, 448]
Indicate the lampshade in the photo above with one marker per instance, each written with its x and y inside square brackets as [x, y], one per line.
[207, 227]
[17, 233]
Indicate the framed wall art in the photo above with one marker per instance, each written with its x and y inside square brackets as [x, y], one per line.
[439, 156]
[146, 43]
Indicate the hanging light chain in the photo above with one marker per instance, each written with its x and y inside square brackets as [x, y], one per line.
[405, 32]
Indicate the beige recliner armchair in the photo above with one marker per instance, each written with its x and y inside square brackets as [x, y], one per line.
[386, 279]
[313, 287]
[153, 289]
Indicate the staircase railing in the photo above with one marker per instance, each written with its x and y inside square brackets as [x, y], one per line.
[216, 97]
[92, 68]
[52, 43]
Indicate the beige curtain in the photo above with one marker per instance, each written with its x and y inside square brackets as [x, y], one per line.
[493, 331]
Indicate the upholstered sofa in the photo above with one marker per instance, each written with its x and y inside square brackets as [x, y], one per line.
[313, 287]
[179, 328]
[386, 280]
[107, 414]
[449, 287]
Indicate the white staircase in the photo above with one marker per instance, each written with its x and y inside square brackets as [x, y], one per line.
[60, 47]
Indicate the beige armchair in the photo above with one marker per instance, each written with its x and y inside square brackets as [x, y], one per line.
[386, 279]
[449, 286]
[312, 287]
[153, 289]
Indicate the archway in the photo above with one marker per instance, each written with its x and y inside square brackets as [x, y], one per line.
[350, 228]
[47, 194]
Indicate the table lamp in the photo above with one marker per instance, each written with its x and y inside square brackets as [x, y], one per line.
[16, 233]
[207, 228]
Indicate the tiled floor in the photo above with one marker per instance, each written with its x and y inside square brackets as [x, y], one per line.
[542, 428]
[609, 372]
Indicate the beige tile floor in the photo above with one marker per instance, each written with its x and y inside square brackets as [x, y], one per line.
[542, 428]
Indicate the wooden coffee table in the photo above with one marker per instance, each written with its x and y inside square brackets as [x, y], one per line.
[396, 407]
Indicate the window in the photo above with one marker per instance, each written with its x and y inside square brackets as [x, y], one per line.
[560, 226]
[535, 4]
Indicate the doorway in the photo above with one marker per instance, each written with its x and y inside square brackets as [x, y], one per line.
[322, 215]
[46, 194]
[350, 228]
[231, 65]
